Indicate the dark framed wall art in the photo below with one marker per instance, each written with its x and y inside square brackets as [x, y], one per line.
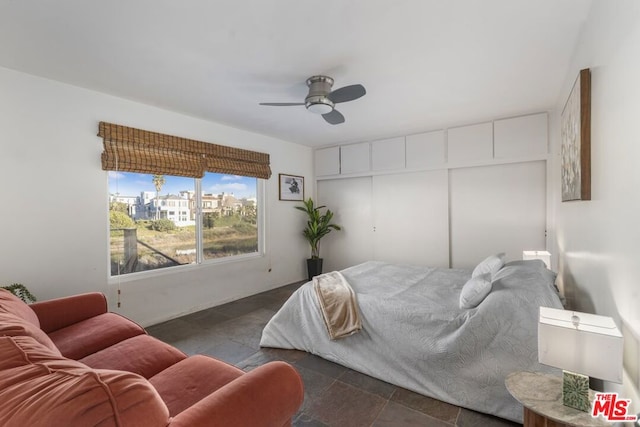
[291, 187]
[576, 140]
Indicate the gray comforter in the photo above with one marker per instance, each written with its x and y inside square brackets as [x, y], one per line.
[416, 336]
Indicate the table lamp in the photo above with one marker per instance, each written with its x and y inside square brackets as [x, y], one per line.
[544, 256]
[582, 345]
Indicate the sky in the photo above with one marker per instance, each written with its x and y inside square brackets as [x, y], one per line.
[132, 184]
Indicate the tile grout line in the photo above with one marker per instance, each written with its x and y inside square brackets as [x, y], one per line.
[379, 413]
[457, 416]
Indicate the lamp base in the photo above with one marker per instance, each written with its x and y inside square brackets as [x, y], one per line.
[575, 391]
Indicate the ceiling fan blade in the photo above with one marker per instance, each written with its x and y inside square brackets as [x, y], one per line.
[281, 104]
[347, 93]
[335, 117]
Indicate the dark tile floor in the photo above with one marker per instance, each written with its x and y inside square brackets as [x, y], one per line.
[334, 395]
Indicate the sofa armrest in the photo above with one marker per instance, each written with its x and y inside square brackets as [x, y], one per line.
[266, 396]
[58, 313]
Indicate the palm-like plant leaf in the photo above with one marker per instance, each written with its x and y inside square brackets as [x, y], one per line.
[318, 225]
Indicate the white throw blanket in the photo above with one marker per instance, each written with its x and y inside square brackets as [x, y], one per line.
[338, 305]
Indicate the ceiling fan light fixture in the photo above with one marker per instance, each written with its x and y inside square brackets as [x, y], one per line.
[319, 104]
[321, 99]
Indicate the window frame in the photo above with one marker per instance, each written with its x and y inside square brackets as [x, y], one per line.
[200, 261]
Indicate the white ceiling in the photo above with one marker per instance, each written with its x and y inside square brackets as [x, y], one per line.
[426, 64]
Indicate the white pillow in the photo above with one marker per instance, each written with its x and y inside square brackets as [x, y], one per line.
[475, 290]
[491, 264]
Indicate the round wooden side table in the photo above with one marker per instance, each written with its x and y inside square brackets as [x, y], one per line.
[541, 396]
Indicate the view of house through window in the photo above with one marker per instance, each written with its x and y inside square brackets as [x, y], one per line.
[156, 221]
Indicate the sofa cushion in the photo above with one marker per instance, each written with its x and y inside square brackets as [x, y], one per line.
[191, 380]
[94, 334]
[14, 326]
[143, 355]
[27, 345]
[9, 303]
[42, 389]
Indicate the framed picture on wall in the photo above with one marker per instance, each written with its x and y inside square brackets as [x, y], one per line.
[576, 140]
[291, 187]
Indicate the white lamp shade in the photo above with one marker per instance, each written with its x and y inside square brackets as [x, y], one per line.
[593, 347]
[544, 256]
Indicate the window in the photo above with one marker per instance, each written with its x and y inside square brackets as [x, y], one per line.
[162, 220]
[147, 232]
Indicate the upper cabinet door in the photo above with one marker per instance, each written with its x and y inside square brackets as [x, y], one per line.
[327, 161]
[509, 140]
[470, 145]
[388, 154]
[426, 150]
[521, 137]
[355, 158]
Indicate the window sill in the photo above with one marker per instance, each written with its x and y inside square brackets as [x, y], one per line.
[182, 269]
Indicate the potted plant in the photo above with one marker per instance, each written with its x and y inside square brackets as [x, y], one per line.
[21, 292]
[318, 225]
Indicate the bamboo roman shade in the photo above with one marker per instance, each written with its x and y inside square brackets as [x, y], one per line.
[134, 150]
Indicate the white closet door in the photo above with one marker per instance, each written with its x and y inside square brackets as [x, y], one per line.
[495, 209]
[350, 200]
[411, 218]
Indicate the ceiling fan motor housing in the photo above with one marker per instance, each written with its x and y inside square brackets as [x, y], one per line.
[317, 101]
[322, 100]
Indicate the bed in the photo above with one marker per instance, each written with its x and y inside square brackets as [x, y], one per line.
[416, 335]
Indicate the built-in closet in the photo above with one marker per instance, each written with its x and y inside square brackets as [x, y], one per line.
[446, 198]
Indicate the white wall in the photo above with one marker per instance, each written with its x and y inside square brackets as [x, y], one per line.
[54, 202]
[597, 242]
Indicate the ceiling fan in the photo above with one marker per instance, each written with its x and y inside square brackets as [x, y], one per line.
[322, 100]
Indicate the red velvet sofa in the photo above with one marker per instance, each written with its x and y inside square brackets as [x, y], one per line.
[69, 362]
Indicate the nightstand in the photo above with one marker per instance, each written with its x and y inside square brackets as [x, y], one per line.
[541, 396]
